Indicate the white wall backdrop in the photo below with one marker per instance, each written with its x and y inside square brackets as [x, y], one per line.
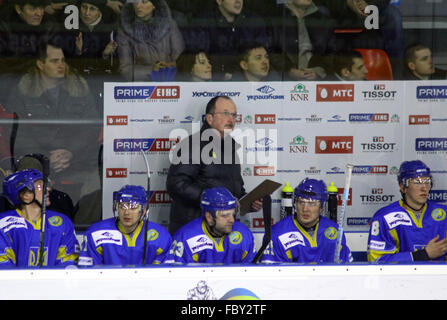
[303, 129]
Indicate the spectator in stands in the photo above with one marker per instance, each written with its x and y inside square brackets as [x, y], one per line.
[96, 56]
[59, 119]
[196, 167]
[254, 64]
[20, 230]
[194, 66]
[307, 235]
[418, 64]
[215, 237]
[23, 25]
[127, 239]
[350, 14]
[348, 66]
[302, 37]
[147, 36]
[95, 44]
[413, 228]
[221, 29]
[59, 201]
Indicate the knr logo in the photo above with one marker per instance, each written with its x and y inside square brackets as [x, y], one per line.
[329, 144]
[117, 120]
[264, 171]
[419, 119]
[265, 118]
[335, 92]
[116, 172]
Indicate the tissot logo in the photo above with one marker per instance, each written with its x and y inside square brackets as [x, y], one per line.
[334, 144]
[116, 172]
[418, 119]
[264, 171]
[117, 120]
[335, 92]
[265, 118]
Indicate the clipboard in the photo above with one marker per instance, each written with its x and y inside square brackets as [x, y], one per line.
[266, 187]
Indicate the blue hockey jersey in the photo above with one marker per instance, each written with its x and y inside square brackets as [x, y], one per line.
[396, 232]
[106, 244]
[20, 240]
[193, 243]
[292, 243]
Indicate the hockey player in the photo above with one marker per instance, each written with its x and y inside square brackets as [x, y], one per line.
[121, 240]
[20, 229]
[413, 228]
[215, 237]
[306, 236]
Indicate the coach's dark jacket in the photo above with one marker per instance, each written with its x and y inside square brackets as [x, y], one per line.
[186, 181]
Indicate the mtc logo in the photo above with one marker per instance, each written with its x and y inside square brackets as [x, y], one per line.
[329, 144]
[116, 172]
[265, 118]
[335, 92]
[418, 119]
[117, 120]
[264, 171]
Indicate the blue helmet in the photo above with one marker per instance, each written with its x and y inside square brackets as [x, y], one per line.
[412, 169]
[16, 182]
[312, 189]
[130, 193]
[217, 199]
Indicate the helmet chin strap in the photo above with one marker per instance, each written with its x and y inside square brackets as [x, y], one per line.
[31, 202]
[117, 219]
[414, 209]
[213, 231]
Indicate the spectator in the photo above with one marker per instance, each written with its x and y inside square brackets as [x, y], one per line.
[200, 167]
[96, 56]
[302, 37]
[351, 14]
[215, 237]
[254, 64]
[20, 230]
[413, 228]
[348, 66]
[418, 64]
[306, 236]
[194, 66]
[95, 44]
[127, 239]
[23, 26]
[59, 119]
[147, 36]
[221, 29]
